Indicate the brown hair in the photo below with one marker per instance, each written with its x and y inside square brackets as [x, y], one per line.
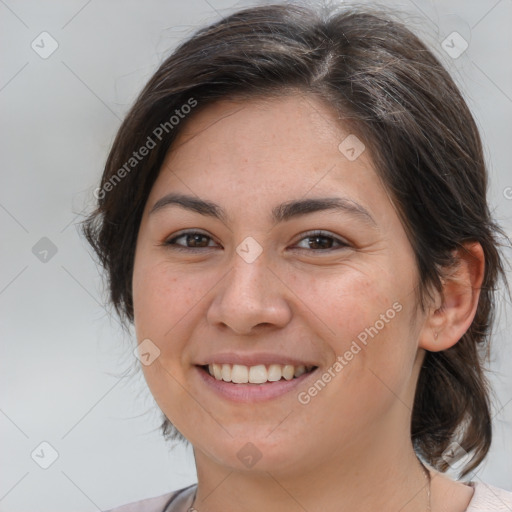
[400, 100]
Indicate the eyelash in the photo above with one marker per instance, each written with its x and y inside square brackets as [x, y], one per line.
[171, 243]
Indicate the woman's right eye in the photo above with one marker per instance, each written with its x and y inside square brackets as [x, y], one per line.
[190, 240]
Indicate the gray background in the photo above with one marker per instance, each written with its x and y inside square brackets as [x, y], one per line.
[62, 355]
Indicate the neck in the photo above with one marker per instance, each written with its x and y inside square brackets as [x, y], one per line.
[387, 480]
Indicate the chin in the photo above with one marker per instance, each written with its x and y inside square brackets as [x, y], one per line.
[259, 452]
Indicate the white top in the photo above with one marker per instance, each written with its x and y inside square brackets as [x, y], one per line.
[486, 498]
[489, 498]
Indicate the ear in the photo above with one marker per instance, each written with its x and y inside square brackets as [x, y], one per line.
[451, 313]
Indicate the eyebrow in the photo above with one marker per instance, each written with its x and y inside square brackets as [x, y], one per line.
[280, 213]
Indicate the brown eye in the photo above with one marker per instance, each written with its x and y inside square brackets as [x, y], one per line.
[190, 240]
[321, 240]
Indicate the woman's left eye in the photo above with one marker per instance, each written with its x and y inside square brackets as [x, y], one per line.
[318, 240]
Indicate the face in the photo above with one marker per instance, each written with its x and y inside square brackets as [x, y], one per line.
[267, 252]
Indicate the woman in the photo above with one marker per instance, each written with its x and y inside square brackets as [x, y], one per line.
[294, 217]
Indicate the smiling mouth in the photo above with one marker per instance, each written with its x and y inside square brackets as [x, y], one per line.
[258, 374]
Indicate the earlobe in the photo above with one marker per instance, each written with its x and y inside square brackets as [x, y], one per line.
[455, 308]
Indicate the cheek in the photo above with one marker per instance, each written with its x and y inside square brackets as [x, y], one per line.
[161, 298]
[343, 303]
[164, 304]
[159, 303]
[364, 319]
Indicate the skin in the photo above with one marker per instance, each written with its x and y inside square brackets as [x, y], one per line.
[349, 448]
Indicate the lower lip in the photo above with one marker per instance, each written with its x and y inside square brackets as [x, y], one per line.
[248, 393]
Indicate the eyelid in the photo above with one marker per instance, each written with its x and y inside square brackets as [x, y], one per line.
[167, 241]
[302, 236]
[327, 234]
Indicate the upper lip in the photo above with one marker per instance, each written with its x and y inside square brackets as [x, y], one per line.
[254, 359]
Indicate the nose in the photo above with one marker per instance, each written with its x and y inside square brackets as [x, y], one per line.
[250, 297]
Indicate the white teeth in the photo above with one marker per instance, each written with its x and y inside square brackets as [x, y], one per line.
[217, 371]
[258, 374]
[288, 371]
[275, 372]
[226, 372]
[241, 374]
[299, 371]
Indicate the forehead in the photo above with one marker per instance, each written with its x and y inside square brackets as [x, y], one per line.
[263, 125]
[288, 136]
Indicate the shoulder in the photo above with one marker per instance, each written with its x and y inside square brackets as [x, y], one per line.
[487, 498]
[176, 501]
